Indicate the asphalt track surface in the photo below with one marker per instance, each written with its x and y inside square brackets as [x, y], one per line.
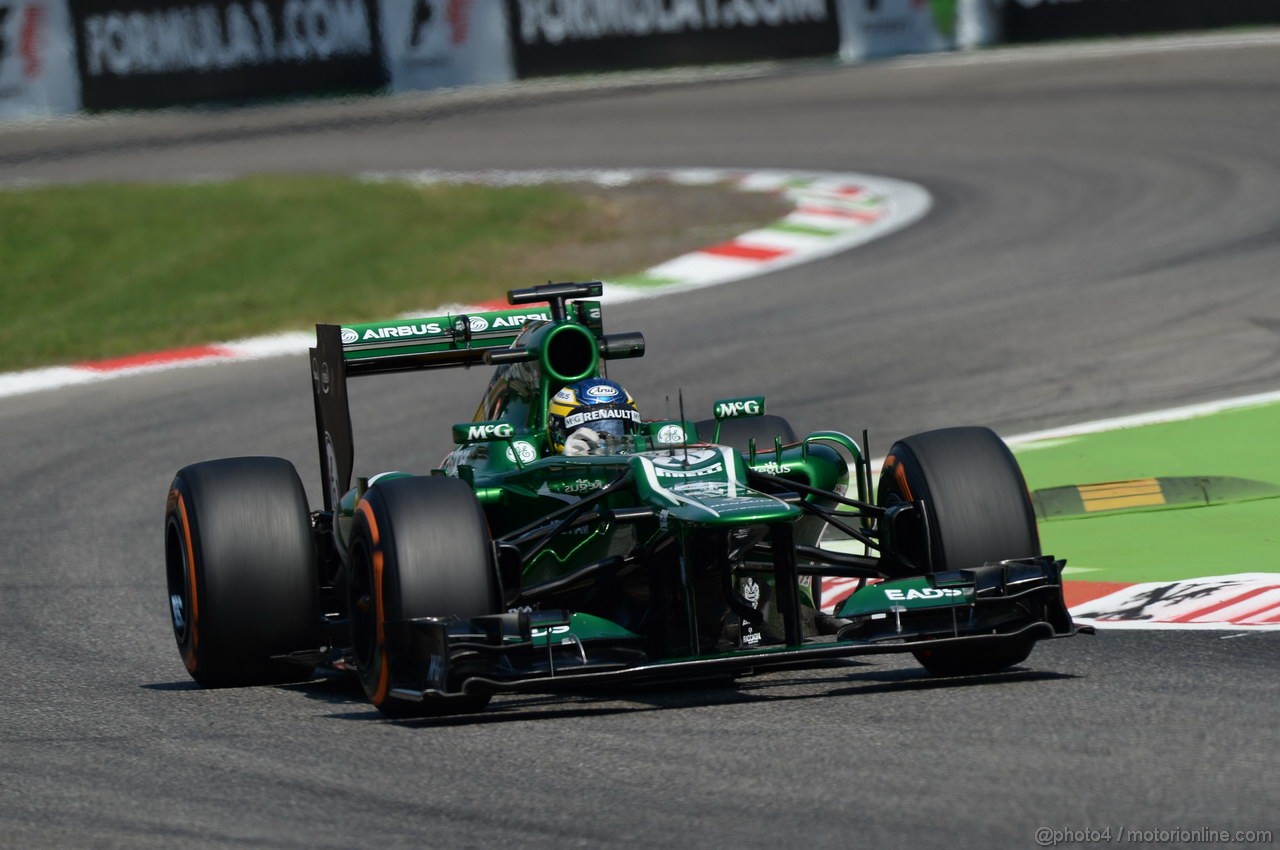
[1104, 241]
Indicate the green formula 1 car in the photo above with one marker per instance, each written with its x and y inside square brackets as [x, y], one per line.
[680, 549]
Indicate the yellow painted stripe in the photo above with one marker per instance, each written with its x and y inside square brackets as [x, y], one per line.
[1144, 492]
[1130, 502]
[1121, 488]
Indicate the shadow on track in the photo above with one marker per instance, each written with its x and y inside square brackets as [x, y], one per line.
[341, 691]
[181, 685]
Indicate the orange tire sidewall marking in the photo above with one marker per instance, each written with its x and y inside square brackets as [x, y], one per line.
[384, 674]
[899, 473]
[190, 657]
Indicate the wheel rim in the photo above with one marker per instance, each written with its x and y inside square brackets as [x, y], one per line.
[178, 571]
[364, 624]
[896, 488]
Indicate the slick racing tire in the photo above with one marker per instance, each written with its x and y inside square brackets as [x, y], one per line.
[420, 547]
[738, 433]
[977, 510]
[241, 570]
[976, 501]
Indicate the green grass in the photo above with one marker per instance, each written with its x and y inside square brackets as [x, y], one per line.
[1169, 545]
[1232, 442]
[100, 271]
[1159, 544]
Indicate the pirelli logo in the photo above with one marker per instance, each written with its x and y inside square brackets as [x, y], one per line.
[1117, 495]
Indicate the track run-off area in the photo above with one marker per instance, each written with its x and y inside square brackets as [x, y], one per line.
[830, 213]
[1142, 507]
[1101, 243]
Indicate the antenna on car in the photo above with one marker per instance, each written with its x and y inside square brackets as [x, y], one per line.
[684, 433]
[671, 449]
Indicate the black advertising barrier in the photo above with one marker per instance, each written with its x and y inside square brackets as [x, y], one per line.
[1039, 20]
[152, 53]
[573, 36]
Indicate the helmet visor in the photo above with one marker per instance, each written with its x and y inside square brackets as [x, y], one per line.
[611, 427]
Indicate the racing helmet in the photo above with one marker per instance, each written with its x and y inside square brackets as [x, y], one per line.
[596, 403]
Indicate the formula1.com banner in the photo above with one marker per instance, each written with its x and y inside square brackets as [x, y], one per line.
[150, 53]
[573, 36]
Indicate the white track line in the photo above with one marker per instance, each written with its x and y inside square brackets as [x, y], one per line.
[1173, 414]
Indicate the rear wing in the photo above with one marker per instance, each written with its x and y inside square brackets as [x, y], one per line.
[434, 342]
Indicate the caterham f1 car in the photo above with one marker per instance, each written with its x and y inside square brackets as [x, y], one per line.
[686, 549]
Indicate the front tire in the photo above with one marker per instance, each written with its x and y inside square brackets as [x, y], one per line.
[420, 547]
[975, 498]
[978, 512]
[241, 571]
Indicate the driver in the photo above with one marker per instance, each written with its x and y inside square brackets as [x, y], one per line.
[585, 412]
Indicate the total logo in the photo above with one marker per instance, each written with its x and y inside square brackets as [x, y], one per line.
[898, 595]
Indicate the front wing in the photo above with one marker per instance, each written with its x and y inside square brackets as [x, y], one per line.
[544, 652]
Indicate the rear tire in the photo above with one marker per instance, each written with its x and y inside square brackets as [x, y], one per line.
[241, 571]
[978, 512]
[738, 433]
[425, 543]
